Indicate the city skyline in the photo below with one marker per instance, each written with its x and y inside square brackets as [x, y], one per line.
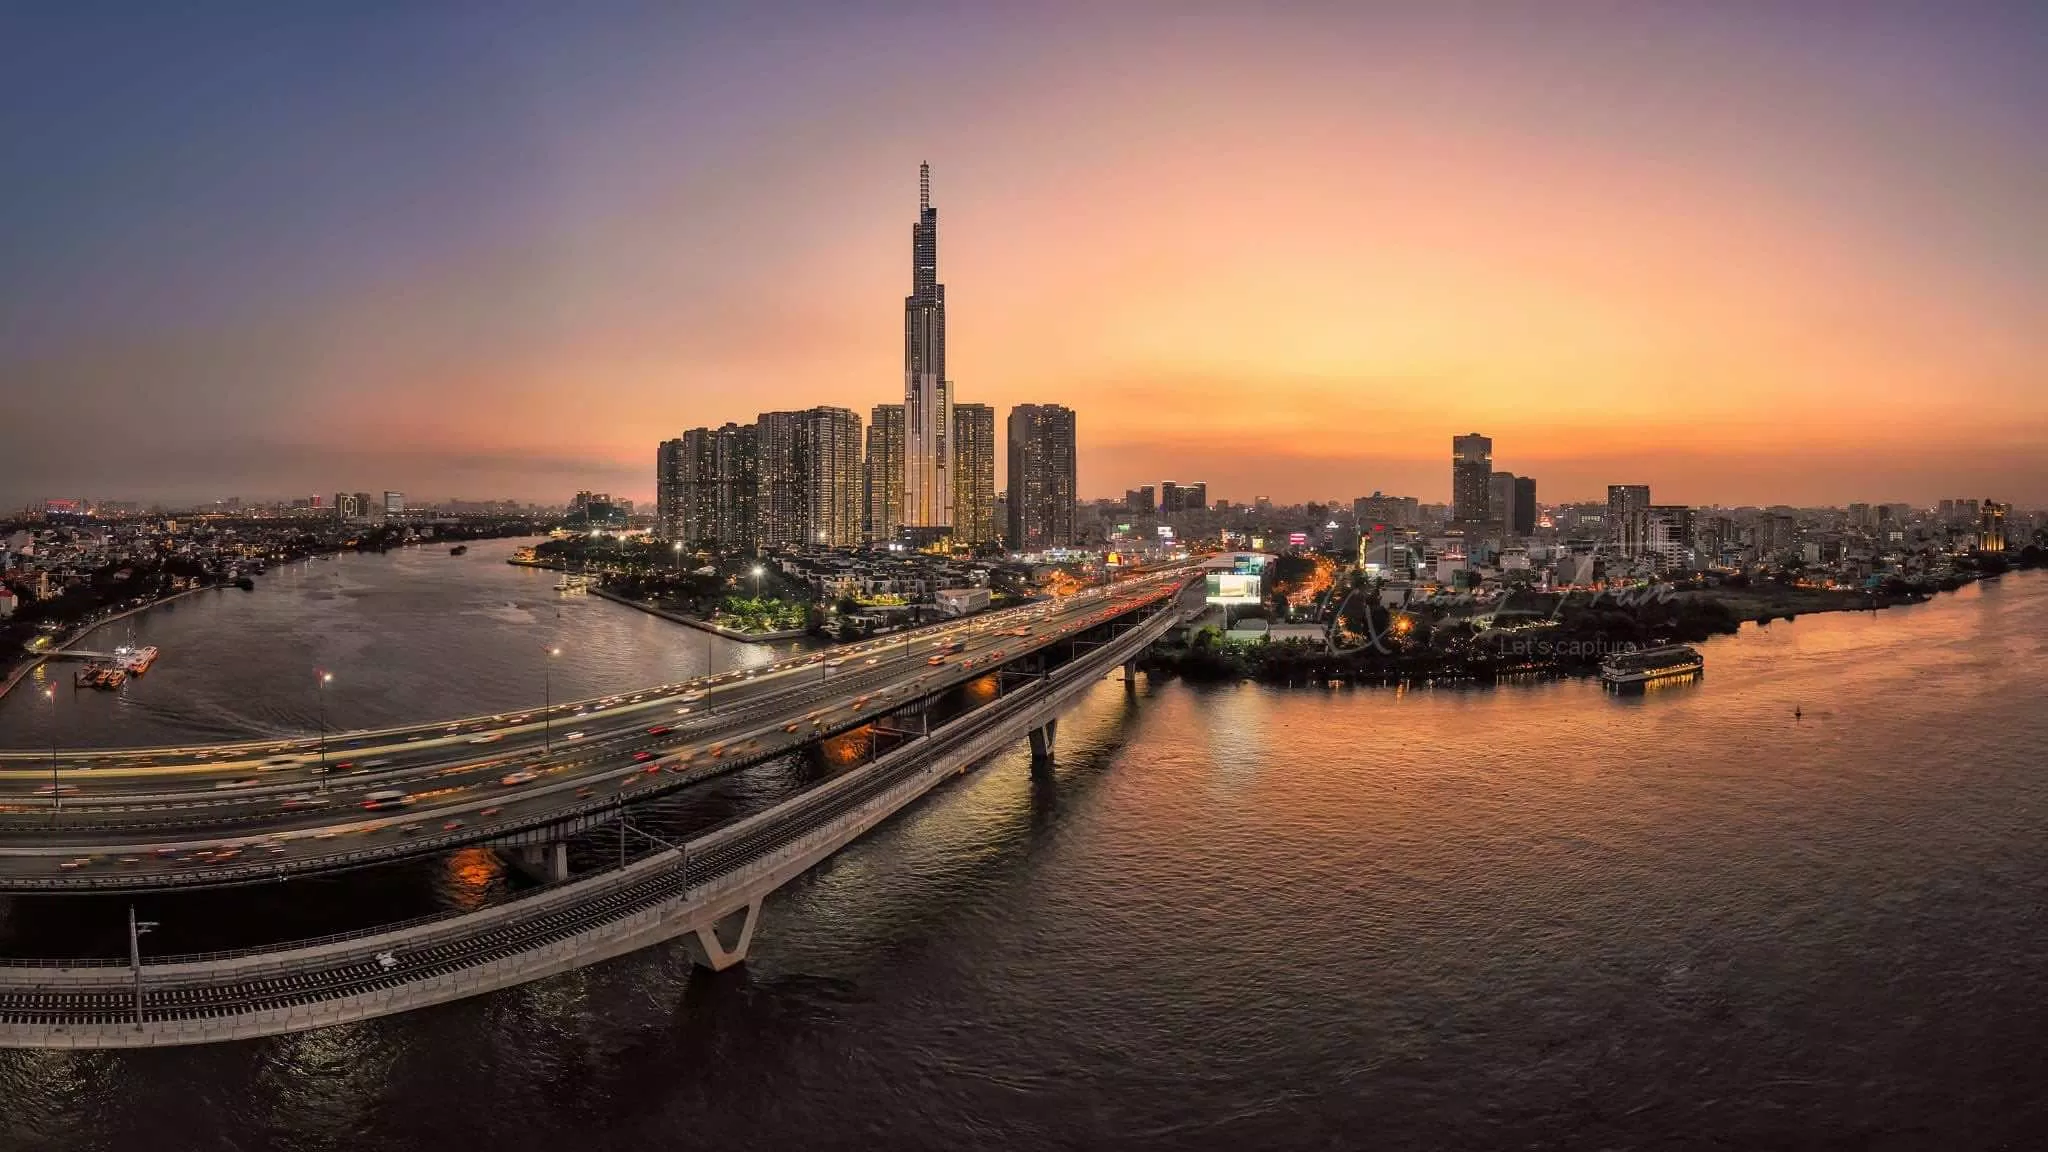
[1819, 286]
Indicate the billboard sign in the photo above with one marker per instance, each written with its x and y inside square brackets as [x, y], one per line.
[1233, 588]
[1297, 539]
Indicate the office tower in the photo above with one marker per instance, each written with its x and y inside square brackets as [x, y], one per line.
[394, 503]
[1627, 504]
[1471, 476]
[783, 504]
[1170, 498]
[974, 474]
[671, 474]
[1141, 501]
[882, 475]
[1500, 500]
[1524, 522]
[1041, 477]
[1194, 497]
[832, 477]
[1991, 526]
[344, 506]
[927, 394]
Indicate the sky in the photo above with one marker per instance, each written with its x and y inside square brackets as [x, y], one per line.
[1742, 252]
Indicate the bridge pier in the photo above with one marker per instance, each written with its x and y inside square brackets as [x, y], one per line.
[1042, 741]
[1131, 675]
[711, 952]
[547, 863]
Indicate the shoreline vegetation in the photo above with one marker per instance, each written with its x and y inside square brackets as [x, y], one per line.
[1523, 636]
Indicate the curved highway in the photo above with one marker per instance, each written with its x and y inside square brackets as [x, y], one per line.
[167, 818]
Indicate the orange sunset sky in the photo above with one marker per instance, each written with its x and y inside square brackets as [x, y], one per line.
[1744, 253]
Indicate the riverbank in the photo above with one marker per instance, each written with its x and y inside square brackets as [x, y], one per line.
[36, 661]
[700, 625]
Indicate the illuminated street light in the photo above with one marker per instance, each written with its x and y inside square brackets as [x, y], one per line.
[547, 688]
[326, 678]
[56, 792]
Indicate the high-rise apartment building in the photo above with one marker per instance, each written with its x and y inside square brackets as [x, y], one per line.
[1194, 497]
[1041, 480]
[1627, 507]
[832, 477]
[394, 503]
[1141, 501]
[927, 394]
[783, 504]
[1524, 520]
[882, 475]
[671, 473]
[1471, 477]
[974, 474]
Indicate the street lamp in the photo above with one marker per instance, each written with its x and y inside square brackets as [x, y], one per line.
[326, 678]
[547, 710]
[137, 929]
[56, 791]
[679, 555]
[757, 581]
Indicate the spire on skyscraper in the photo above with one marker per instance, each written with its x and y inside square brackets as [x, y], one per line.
[924, 186]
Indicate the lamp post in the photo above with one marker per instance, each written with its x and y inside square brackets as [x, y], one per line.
[56, 790]
[547, 710]
[326, 678]
[679, 556]
[136, 930]
[757, 581]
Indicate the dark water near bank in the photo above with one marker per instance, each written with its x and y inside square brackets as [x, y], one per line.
[1527, 917]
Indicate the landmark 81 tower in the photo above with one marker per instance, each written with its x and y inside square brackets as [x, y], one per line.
[927, 394]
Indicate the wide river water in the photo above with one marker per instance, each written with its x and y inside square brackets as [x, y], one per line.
[1235, 917]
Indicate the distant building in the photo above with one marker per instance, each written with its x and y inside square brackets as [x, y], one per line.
[394, 503]
[671, 474]
[1628, 507]
[882, 474]
[1991, 526]
[1524, 521]
[1141, 501]
[1042, 481]
[706, 487]
[1500, 500]
[783, 503]
[974, 474]
[1668, 536]
[1471, 477]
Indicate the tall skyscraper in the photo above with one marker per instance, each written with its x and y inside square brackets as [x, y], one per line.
[927, 394]
[1471, 476]
[733, 480]
[831, 473]
[783, 505]
[1524, 522]
[974, 474]
[1041, 477]
[1628, 506]
[882, 475]
[1991, 526]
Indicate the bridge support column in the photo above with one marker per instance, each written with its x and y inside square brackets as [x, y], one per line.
[548, 863]
[711, 952]
[1131, 674]
[1042, 740]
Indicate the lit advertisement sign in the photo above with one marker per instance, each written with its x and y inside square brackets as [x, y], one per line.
[1233, 588]
[1166, 531]
[1298, 539]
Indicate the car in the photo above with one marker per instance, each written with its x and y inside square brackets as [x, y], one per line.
[574, 736]
[487, 738]
[244, 782]
[277, 762]
[873, 660]
[683, 711]
[487, 813]
[936, 660]
[835, 662]
[380, 762]
[304, 800]
[451, 825]
[660, 730]
[523, 776]
[58, 790]
[386, 798]
[792, 726]
[643, 756]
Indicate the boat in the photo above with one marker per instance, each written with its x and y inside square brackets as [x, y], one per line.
[1649, 665]
[136, 661]
[108, 676]
[458, 550]
[89, 676]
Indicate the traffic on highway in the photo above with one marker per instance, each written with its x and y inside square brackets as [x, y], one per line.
[186, 816]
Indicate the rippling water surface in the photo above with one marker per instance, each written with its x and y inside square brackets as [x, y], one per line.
[1529, 917]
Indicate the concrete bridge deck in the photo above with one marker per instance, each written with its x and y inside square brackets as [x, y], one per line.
[709, 890]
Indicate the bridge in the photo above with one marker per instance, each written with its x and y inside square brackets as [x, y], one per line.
[708, 890]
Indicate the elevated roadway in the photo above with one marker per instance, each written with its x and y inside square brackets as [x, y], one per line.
[140, 827]
[709, 891]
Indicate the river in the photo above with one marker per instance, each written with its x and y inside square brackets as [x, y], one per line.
[1529, 916]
